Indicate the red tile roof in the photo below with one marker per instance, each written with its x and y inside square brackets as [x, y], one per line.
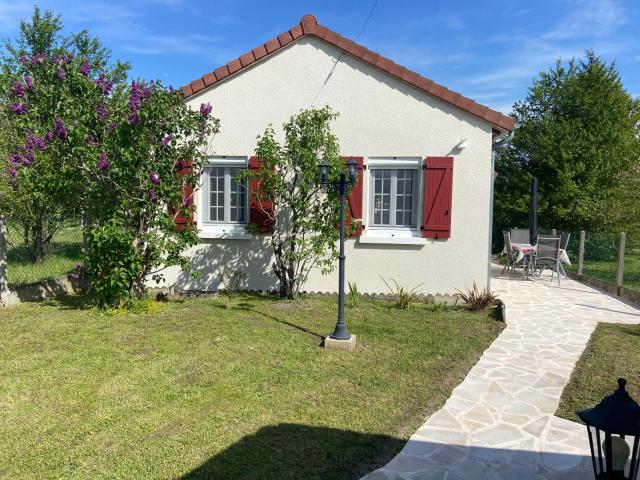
[309, 26]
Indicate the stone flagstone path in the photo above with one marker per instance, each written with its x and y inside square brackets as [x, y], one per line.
[499, 422]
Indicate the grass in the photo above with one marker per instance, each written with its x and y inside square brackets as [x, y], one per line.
[612, 352]
[65, 251]
[606, 270]
[227, 388]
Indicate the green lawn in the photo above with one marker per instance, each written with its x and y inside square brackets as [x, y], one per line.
[606, 270]
[65, 251]
[612, 352]
[226, 389]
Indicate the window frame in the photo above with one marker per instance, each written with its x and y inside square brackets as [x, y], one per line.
[220, 228]
[394, 164]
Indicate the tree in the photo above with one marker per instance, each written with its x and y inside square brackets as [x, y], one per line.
[50, 88]
[304, 215]
[578, 134]
[127, 156]
[147, 159]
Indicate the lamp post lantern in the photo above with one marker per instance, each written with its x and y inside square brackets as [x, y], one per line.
[342, 186]
[613, 425]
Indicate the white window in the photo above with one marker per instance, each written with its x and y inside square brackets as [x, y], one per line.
[394, 193]
[225, 197]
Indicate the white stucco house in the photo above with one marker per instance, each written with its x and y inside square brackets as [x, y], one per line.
[424, 195]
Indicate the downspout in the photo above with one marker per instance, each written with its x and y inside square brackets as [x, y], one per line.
[496, 143]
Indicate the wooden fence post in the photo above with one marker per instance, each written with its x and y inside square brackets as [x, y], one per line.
[4, 287]
[620, 269]
[581, 253]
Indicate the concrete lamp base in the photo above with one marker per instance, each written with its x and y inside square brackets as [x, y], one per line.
[347, 345]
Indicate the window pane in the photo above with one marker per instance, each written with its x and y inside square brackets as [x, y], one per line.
[381, 196]
[238, 196]
[216, 194]
[404, 197]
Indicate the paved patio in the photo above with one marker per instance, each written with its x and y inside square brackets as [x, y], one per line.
[499, 422]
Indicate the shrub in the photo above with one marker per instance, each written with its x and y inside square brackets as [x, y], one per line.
[403, 296]
[476, 299]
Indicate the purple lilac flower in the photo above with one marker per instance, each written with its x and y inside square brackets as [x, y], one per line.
[49, 135]
[61, 130]
[16, 159]
[19, 108]
[61, 74]
[12, 172]
[187, 201]
[104, 85]
[37, 58]
[28, 159]
[40, 144]
[205, 109]
[18, 89]
[84, 69]
[155, 179]
[133, 118]
[101, 112]
[91, 140]
[103, 163]
[23, 59]
[153, 196]
[171, 89]
[28, 81]
[166, 140]
[112, 126]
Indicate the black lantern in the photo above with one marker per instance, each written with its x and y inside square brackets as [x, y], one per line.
[324, 172]
[613, 425]
[352, 168]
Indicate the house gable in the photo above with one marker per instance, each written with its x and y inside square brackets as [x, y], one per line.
[310, 27]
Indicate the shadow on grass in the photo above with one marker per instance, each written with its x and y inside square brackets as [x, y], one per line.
[291, 451]
[247, 307]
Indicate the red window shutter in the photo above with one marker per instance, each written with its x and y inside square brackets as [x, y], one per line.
[354, 201]
[260, 210]
[182, 219]
[438, 188]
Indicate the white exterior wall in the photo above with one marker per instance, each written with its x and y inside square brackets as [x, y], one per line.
[380, 116]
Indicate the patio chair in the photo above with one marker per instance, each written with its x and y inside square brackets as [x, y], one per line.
[519, 235]
[547, 255]
[564, 243]
[511, 259]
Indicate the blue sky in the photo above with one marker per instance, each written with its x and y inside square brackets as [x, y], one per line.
[489, 51]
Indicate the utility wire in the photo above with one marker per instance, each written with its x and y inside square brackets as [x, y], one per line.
[364, 25]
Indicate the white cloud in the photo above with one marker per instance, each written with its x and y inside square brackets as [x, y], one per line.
[589, 18]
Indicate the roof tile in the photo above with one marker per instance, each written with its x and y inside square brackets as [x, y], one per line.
[234, 66]
[247, 59]
[272, 45]
[296, 31]
[285, 38]
[259, 52]
[309, 26]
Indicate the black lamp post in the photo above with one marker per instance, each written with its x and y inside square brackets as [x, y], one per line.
[608, 423]
[341, 186]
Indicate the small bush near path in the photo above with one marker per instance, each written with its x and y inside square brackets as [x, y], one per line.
[231, 389]
[612, 352]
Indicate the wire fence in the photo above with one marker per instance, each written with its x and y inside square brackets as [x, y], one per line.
[42, 252]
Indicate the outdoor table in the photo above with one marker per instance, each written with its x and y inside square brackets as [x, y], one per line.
[524, 249]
